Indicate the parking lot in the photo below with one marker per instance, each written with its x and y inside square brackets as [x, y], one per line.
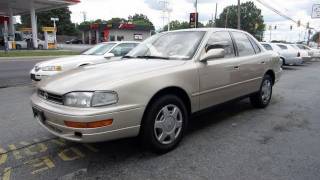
[231, 141]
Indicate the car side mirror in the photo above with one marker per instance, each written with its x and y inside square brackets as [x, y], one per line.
[213, 54]
[108, 55]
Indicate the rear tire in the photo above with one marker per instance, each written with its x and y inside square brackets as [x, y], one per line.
[262, 98]
[164, 124]
[18, 47]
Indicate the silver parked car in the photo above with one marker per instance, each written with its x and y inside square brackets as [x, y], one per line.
[288, 55]
[156, 88]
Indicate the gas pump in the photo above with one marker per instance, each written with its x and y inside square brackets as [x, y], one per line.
[49, 37]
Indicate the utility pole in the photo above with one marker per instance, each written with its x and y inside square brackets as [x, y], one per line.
[84, 13]
[165, 12]
[270, 29]
[196, 15]
[239, 14]
[226, 20]
[215, 15]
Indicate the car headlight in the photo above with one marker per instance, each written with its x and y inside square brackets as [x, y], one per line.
[51, 68]
[90, 99]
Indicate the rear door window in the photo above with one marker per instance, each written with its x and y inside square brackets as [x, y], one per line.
[255, 45]
[123, 49]
[244, 45]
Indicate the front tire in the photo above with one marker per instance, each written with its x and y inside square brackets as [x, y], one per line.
[262, 98]
[164, 124]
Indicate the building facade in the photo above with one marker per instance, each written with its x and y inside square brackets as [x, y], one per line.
[96, 33]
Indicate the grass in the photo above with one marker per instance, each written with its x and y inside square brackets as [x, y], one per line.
[26, 53]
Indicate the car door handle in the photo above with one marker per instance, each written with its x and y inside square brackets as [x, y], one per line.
[263, 62]
[236, 67]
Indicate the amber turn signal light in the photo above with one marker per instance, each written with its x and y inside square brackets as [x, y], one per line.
[84, 125]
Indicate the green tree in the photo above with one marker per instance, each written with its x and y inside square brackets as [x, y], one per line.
[117, 20]
[315, 37]
[175, 25]
[64, 26]
[140, 19]
[251, 19]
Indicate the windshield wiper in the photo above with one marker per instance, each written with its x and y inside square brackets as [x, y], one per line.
[128, 57]
[153, 57]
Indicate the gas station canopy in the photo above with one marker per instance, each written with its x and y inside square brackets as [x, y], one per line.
[11, 8]
[20, 7]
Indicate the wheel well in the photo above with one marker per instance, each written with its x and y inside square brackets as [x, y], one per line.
[175, 91]
[271, 73]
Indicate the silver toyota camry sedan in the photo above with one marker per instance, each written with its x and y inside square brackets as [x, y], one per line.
[155, 89]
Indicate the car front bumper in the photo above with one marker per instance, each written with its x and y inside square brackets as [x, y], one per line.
[51, 116]
[39, 75]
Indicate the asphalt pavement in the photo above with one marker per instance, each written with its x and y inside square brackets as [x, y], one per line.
[232, 141]
[14, 72]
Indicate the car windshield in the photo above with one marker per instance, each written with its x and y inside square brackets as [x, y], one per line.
[99, 49]
[283, 47]
[171, 45]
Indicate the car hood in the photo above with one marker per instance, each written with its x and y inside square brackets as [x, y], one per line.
[103, 76]
[69, 60]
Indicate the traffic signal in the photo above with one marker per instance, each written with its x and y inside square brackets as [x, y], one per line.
[275, 27]
[299, 23]
[308, 25]
[291, 27]
[194, 20]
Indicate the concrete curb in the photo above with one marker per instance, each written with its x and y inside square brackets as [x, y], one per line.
[31, 57]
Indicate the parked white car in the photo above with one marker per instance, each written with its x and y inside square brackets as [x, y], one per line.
[314, 53]
[288, 55]
[24, 44]
[303, 53]
[100, 53]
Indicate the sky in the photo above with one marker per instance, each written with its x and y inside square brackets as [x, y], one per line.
[180, 9]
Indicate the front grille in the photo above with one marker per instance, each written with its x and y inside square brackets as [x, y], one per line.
[33, 77]
[50, 97]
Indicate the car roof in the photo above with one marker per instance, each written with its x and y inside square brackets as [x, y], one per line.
[206, 29]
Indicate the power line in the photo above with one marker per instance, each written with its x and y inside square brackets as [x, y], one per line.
[280, 13]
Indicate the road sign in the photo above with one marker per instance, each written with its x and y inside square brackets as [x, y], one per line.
[54, 19]
[315, 11]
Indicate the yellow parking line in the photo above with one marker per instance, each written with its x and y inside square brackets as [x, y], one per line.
[3, 156]
[7, 174]
[40, 164]
[15, 153]
[71, 154]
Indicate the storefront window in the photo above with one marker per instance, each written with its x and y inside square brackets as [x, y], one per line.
[120, 38]
[112, 38]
